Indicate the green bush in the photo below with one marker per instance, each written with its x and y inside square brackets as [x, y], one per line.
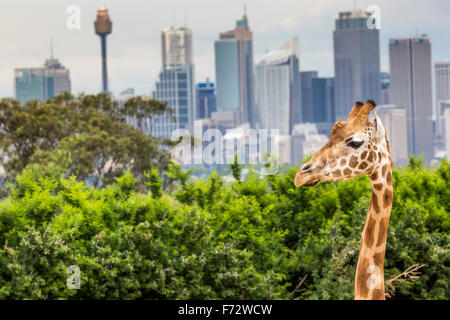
[204, 239]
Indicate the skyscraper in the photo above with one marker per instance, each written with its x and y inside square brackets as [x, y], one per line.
[206, 99]
[43, 82]
[410, 68]
[385, 88]
[394, 121]
[176, 47]
[277, 88]
[30, 83]
[307, 95]
[175, 84]
[323, 100]
[442, 84]
[57, 77]
[103, 27]
[356, 61]
[234, 71]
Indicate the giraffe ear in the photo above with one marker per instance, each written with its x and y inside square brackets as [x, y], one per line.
[379, 128]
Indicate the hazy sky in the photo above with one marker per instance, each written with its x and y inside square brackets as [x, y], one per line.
[134, 46]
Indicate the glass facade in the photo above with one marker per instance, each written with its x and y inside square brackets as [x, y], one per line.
[174, 86]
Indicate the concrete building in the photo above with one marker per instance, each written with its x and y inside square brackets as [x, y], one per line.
[410, 69]
[175, 84]
[206, 99]
[323, 100]
[393, 118]
[446, 112]
[385, 88]
[234, 71]
[307, 106]
[356, 61]
[176, 47]
[305, 140]
[442, 85]
[41, 83]
[277, 88]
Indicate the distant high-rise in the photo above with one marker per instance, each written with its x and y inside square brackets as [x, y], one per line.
[175, 84]
[30, 83]
[103, 27]
[323, 100]
[176, 47]
[394, 121]
[58, 77]
[234, 71]
[446, 117]
[385, 88]
[410, 68]
[277, 88]
[206, 99]
[356, 61]
[307, 114]
[43, 82]
[442, 84]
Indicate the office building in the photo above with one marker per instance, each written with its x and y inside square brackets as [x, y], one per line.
[277, 88]
[356, 61]
[206, 99]
[41, 83]
[394, 121]
[410, 69]
[323, 100]
[307, 105]
[442, 85]
[234, 71]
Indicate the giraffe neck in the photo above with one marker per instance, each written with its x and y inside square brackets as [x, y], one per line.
[369, 277]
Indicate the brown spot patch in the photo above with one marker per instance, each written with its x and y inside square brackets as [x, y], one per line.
[347, 171]
[387, 198]
[378, 186]
[383, 170]
[374, 176]
[343, 162]
[374, 203]
[379, 156]
[363, 165]
[382, 231]
[389, 178]
[375, 147]
[378, 259]
[369, 232]
[337, 173]
[361, 289]
[371, 156]
[363, 155]
[353, 161]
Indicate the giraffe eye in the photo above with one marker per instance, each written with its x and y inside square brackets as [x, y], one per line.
[355, 144]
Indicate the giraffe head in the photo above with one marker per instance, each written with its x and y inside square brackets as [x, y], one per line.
[356, 146]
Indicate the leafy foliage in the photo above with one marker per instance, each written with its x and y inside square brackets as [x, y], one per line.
[251, 239]
[86, 136]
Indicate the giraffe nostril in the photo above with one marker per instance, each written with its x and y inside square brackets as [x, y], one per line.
[308, 166]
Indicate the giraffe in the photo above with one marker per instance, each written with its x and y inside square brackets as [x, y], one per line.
[357, 146]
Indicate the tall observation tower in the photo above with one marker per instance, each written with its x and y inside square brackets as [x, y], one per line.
[103, 27]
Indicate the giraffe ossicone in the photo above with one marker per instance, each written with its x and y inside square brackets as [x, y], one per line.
[356, 147]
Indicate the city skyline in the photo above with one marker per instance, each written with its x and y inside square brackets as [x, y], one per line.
[134, 59]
